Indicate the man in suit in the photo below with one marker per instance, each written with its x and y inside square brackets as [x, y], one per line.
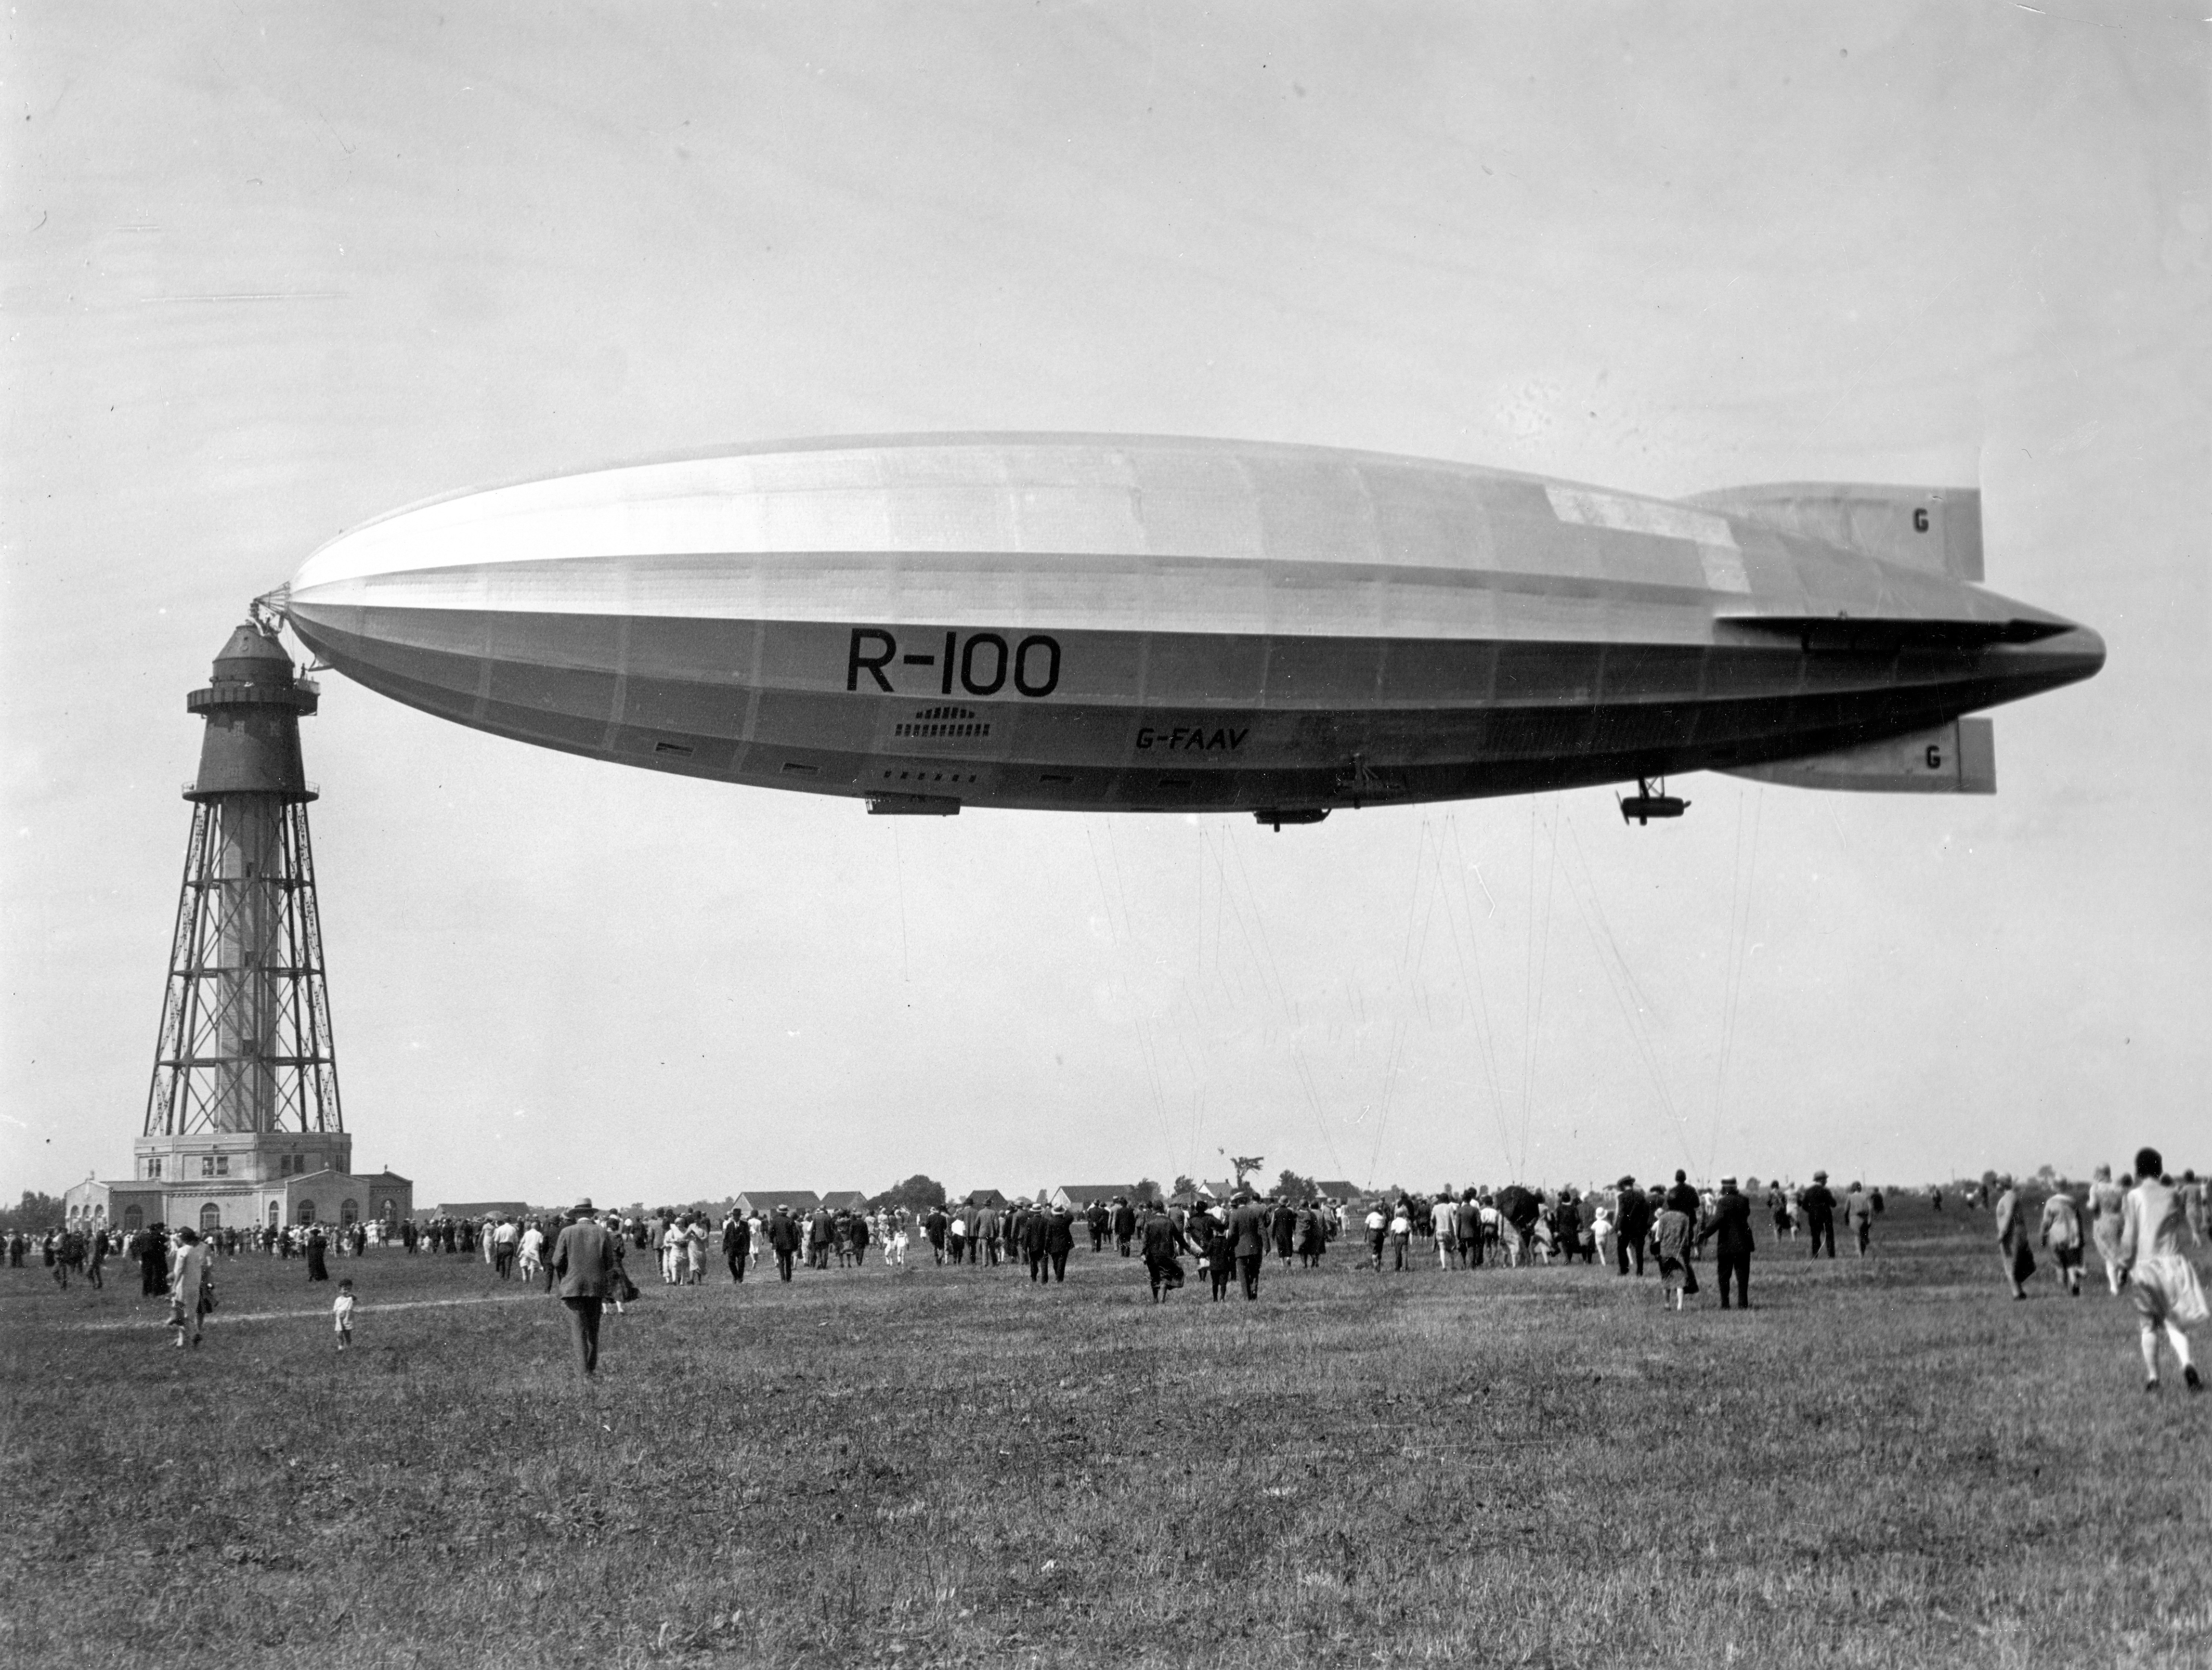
[1819, 1205]
[1731, 1226]
[584, 1262]
[1034, 1230]
[1248, 1235]
[1467, 1230]
[737, 1244]
[1858, 1212]
[1125, 1225]
[1683, 1199]
[1096, 1217]
[1632, 1225]
[1060, 1240]
[783, 1239]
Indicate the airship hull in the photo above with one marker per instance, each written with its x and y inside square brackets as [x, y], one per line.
[1127, 624]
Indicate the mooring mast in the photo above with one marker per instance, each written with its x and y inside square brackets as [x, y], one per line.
[244, 1050]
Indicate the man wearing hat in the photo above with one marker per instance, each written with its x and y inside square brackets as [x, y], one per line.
[1248, 1234]
[1632, 1224]
[783, 1239]
[1858, 1212]
[584, 1259]
[1819, 1207]
[1731, 1225]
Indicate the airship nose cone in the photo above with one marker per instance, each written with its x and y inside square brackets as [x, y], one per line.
[2079, 651]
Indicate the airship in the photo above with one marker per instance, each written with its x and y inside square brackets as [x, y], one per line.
[928, 623]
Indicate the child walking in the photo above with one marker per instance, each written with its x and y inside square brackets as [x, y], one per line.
[342, 1313]
[2164, 1286]
[1670, 1238]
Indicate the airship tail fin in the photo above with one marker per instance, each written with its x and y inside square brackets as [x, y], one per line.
[1958, 758]
[1936, 529]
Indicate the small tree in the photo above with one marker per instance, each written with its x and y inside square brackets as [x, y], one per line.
[1144, 1193]
[1292, 1187]
[1184, 1186]
[1242, 1163]
[34, 1212]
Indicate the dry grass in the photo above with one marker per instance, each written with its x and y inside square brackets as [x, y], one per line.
[1887, 1464]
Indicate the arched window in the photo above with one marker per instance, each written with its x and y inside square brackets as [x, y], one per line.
[210, 1218]
[388, 1211]
[276, 1215]
[348, 1211]
[304, 1212]
[133, 1219]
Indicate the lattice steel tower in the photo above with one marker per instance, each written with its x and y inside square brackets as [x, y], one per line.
[245, 1075]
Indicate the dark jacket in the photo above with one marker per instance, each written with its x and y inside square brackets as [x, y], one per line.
[1125, 1222]
[1247, 1231]
[1632, 1218]
[1163, 1240]
[1819, 1204]
[1731, 1223]
[1059, 1232]
[783, 1233]
[584, 1258]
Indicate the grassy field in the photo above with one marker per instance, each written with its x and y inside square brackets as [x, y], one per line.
[1885, 1463]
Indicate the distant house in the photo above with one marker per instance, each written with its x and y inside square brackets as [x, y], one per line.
[1077, 1196]
[766, 1200]
[1220, 1191]
[845, 1200]
[1337, 1189]
[984, 1197]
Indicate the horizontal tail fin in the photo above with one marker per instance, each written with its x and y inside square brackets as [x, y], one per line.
[1937, 530]
[1958, 758]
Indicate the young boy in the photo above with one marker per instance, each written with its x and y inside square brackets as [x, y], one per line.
[342, 1313]
[1221, 1263]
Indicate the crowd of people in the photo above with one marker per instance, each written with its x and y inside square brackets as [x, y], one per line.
[2141, 1226]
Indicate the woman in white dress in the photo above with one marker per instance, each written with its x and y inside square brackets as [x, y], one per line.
[2162, 1281]
[2106, 1198]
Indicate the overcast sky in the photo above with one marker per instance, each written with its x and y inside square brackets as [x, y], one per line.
[272, 270]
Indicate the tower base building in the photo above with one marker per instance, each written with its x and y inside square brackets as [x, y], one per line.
[238, 1182]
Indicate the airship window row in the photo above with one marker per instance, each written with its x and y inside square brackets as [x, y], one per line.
[931, 777]
[977, 729]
